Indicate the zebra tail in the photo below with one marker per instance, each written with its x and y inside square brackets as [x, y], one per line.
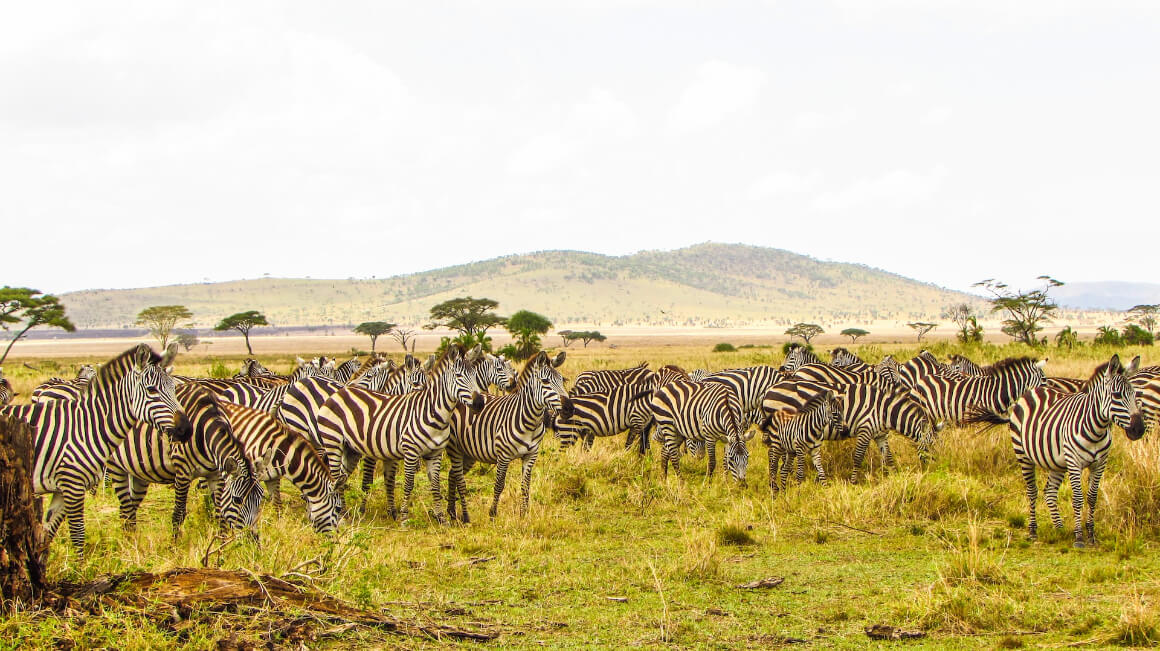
[982, 415]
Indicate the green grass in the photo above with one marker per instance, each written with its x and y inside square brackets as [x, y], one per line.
[939, 549]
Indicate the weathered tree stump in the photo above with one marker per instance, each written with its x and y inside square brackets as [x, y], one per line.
[21, 534]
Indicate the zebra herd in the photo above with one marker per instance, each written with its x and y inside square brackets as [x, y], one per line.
[139, 424]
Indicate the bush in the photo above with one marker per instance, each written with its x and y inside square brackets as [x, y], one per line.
[724, 347]
[220, 371]
[1109, 336]
[1134, 335]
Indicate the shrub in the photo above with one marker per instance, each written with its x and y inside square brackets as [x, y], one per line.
[724, 347]
[1134, 335]
[219, 370]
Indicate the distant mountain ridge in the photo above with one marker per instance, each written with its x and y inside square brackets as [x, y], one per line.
[703, 285]
[1110, 295]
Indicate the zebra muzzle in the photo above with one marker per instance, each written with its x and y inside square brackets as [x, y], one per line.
[1136, 428]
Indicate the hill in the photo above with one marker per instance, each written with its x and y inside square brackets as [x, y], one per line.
[703, 285]
[1107, 295]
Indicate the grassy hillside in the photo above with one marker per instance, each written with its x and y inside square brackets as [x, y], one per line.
[707, 284]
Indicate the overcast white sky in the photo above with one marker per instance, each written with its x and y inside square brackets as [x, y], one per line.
[153, 143]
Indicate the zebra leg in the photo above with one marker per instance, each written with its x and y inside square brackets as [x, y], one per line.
[816, 453]
[589, 439]
[368, 477]
[1097, 473]
[711, 449]
[134, 493]
[860, 448]
[274, 490]
[1051, 496]
[526, 484]
[461, 488]
[433, 465]
[410, 469]
[390, 469]
[670, 452]
[181, 484]
[629, 438]
[452, 489]
[1027, 469]
[774, 458]
[501, 468]
[787, 460]
[887, 455]
[53, 516]
[74, 508]
[124, 494]
[1075, 478]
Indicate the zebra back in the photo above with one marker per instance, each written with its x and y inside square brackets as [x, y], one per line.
[605, 413]
[604, 380]
[749, 384]
[951, 399]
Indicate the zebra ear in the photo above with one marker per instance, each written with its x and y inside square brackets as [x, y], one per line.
[229, 467]
[1041, 363]
[559, 359]
[169, 356]
[430, 362]
[1133, 366]
[475, 353]
[299, 361]
[262, 464]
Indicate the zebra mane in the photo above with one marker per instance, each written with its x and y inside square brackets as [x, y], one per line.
[674, 369]
[453, 352]
[117, 368]
[1006, 364]
[367, 364]
[536, 360]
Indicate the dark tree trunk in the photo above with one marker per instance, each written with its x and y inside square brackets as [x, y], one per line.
[21, 535]
[246, 334]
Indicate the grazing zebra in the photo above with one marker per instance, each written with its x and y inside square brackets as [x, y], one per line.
[283, 452]
[504, 429]
[798, 435]
[867, 413]
[6, 392]
[590, 381]
[1065, 433]
[145, 458]
[702, 411]
[304, 398]
[413, 427]
[796, 357]
[950, 399]
[608, 413]
[749, 384]
[74, 438]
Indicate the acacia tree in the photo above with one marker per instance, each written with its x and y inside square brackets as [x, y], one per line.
[1066, 338]
[922, 328]
[187, 339]
[26, 309]
[1027, 312]
[586, 336]
[243, 322]
[374, 330]
[806, 331]
[1146, 316]
[854, 334]
[964, 317]
[564, 336]
[526, 328]
[160, 320]
[467, 315]
[403, 335]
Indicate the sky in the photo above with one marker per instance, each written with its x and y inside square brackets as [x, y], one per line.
[153, 143]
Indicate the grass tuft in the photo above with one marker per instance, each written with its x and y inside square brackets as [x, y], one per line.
[1139, 624]
[731, 534]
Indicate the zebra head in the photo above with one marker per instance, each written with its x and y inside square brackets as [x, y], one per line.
[241, 490]
[841, 358]
[1117, 397]
[796, 357]
[86, 372]
[494, 369]
[151, 393]
[453, 375]
[6, 392]
[326, 514]
[911, 419]
[737, 454]
[542, 379]
[888, 369]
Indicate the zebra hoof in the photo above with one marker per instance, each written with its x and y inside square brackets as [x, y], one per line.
[1031, 537]
[1079, 544]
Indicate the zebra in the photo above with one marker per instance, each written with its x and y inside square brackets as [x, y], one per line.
[346, 370]
[6, 391]
[839, 377]
[299, 408]
[495, 370]
[867, 413]
[413, 427]
[1065, 433]
[1147, 386]
[842, 358]
[56, 388]
[889, 369]
[253, 368]
[269, 399]
[504, 429]
[74, 438]
[949, 399]
[749, 384]
[705, 411]
[800, 434]
[699, 374]
[603, 380]
[921, 365]
[797, 356]
[964, 366]
[144, 458]
[286, 453]
[608, 413]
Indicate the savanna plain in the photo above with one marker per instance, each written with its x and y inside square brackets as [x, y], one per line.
[612, 554]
